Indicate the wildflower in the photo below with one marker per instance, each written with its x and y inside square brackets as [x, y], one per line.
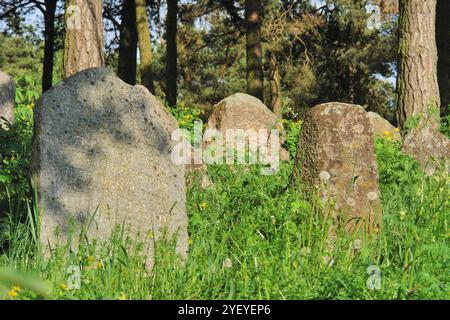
[372, 196]
[64, 286]
[90, 260]
[386, 133]
[190, 242]
[203, 205]
[357, 244]
[397, 129]
[99, 265]
[14, 291]
[273, 219]
[324, 176]
[123, 296]
[227, 263]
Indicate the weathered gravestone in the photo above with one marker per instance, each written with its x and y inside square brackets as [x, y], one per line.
[245, 112]
[383, 128]
[7, 95]
[336, 154]
[102, 146]
[429, 147]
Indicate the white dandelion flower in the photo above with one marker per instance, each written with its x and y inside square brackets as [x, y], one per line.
[357, 244]
[227, 263]
[324, 176]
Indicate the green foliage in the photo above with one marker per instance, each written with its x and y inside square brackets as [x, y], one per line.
[15, 149]
[20, 57]
[445, 126]
[186, 116]
[293, 129]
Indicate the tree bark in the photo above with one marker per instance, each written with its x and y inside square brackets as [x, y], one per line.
[49, 43]
[417, 84]
[255, 77]
[171, 54]
[275, 86]
[443, 43]
[84, 41]
[127, 63]
[145, 45]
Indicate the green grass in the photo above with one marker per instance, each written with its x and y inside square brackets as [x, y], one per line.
[251, 237]
[275, 240]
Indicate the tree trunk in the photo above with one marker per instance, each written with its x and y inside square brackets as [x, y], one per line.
[254, 51]
[84, 41]
[145, 45]
[443, 43]
[126, 69]
[171, 54]
[49, 43]
[275, 86]
[417, 85]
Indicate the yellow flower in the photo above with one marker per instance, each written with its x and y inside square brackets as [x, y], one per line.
[190, 242]
[90, 260]
[397, 129]
[203, 205]
[64, 286]
[14, 291]
[386, 133]
[99, 265]
[123, 296]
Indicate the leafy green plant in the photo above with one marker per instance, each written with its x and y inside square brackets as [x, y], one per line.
[15, 152]
[293, 129]
[186, 116]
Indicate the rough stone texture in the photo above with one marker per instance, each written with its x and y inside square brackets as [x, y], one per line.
[429, 147]
[102, 143]
[243, 111]
[383, 128]
[7, 95]
[336, 154]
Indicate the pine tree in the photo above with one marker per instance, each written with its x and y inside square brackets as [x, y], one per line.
[171, 53]
[417, 85]
[255, 76]
[84, 40]
[443, 43]
[126, 69]
[145, 46]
